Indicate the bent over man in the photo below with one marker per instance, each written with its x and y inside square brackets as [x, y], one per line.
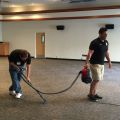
[18, 60]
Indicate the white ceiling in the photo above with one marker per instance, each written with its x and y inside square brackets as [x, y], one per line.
[32, 5]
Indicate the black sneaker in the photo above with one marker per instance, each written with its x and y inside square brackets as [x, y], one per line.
[98, 97]
[92, 98]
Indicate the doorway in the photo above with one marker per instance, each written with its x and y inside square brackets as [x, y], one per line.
[40, 45]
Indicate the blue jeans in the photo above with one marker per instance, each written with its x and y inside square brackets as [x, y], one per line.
[16, 78]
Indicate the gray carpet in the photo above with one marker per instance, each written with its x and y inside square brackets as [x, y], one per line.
[54, 75]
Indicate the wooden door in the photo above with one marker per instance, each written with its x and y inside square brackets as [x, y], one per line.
[40, 45]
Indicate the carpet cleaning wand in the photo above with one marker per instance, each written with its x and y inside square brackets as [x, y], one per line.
[85, 76]
[40, 92]
[30, 84]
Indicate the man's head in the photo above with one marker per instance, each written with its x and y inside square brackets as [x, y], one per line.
[23, 55]
[102, 33]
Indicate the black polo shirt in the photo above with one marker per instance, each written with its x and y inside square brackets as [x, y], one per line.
[100, 48]
[15, 58]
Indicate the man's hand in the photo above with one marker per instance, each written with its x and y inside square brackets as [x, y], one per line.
[87, 65]
[110, 65]
[17, 68]
[28, 78]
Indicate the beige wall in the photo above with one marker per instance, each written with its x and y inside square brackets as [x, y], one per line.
[70, 43]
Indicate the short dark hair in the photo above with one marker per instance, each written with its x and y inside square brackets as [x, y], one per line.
[101, 30]
[24, 54]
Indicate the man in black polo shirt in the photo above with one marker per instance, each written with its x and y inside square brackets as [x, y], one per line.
[17, 61]
[98, 50]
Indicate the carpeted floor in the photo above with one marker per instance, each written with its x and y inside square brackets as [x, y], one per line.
[54, 75]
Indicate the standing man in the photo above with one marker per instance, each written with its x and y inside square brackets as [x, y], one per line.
[18, 60]
[98, 50]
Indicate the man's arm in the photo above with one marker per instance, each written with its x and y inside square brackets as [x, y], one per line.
[28, 71]
[108, 59]
[90, 52]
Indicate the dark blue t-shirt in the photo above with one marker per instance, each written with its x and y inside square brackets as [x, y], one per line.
[100, 48]
[15, 58]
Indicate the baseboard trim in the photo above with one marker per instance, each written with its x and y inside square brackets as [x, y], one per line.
[73, 59]
[63, 59]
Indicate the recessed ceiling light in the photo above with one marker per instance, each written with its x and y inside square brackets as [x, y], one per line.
[33, 4]
[35, 16]
[14, 5]
[15, 17]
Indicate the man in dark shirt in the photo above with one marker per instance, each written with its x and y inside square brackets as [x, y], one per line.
[18, 59]
[98, 50]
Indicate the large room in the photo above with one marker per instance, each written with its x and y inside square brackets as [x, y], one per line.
[55, 40]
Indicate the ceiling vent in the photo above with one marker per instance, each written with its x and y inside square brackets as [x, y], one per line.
[79, 1]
